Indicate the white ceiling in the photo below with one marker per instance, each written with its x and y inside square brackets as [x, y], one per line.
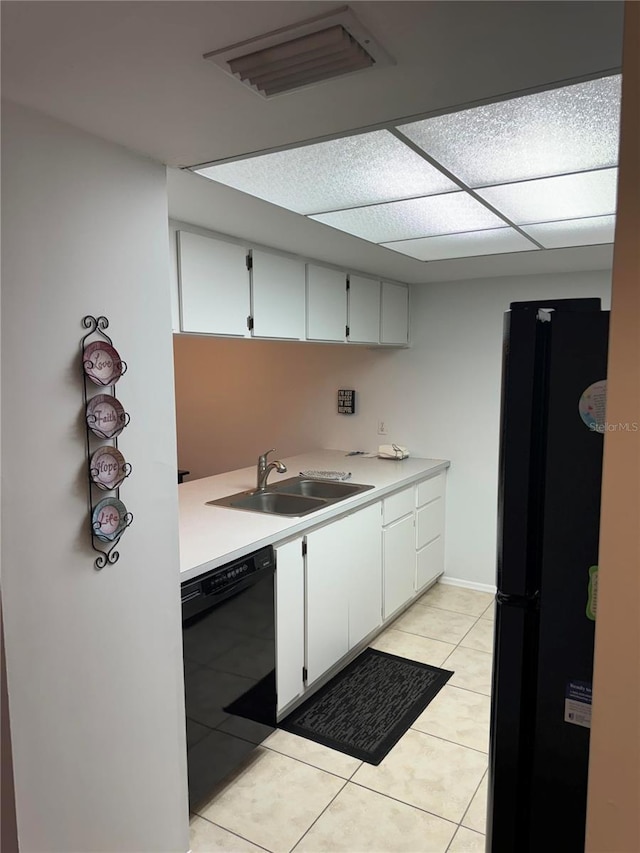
[133, 72]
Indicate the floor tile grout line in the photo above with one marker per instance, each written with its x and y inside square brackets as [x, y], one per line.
[466, 811]
[237, 834]
[315, 766]
[447, 740]
[404, 802]
[478, 618]
[413, 634]
[445, 609]
[309, 828]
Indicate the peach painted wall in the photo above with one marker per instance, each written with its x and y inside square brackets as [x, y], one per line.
[613, 821]
[237, 398]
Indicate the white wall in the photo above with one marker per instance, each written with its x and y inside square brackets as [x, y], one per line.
[441, 397]
[93, 658]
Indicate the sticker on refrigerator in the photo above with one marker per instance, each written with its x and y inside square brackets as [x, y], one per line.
[592, 406]
[592, 593]
[577, 704]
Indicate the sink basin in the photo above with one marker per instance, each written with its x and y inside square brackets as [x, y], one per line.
[327, 489]
[277, 503]
[294, 496]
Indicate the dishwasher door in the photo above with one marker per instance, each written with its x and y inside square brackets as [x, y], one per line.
[229, 669]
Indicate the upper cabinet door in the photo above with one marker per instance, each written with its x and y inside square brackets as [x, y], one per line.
[277, 291]
[364, 310]
[326, 304]
[394, 327]
[214, 285]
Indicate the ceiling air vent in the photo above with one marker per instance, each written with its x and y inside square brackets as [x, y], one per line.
[305, 54]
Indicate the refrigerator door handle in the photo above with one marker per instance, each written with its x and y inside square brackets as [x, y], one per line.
[527, 601]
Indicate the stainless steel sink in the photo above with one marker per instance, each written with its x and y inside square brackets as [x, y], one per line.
[279, 504]
[293, 497]
[327, 489]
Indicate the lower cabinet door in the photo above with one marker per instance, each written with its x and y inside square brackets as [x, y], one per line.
[430, 562]
[363, 532]
[429, 522]
[327, 603]
[289, 621]
[399, 564]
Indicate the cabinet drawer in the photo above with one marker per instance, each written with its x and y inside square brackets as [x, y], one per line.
[430, 562]
[430, 489]
[429, 522]
[395, 506]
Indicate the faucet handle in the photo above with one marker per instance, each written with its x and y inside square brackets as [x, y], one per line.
[263, 456]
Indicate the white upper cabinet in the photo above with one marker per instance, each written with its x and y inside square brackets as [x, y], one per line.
[394, 328]
[277, 296]
[364, 310]
[326, 304]
[214, 285]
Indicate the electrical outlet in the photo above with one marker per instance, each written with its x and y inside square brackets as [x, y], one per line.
[382, 428]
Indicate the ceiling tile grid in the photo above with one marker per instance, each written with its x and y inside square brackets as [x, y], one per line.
[534, 172]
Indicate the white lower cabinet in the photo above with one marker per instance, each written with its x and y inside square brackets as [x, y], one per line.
[351, 576]
[363, 552]
[327, 604]
[344, 587]
[430, 562]
[399, 564]
[289, 621]
[430, 495]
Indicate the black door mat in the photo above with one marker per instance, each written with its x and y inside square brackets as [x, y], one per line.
[367, 707]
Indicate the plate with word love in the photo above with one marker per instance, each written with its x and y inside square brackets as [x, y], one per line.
[105, 416]
[108, 468]
[102, 364]
[109, 519]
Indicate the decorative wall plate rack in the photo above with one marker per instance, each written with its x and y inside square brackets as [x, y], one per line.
[105, 419]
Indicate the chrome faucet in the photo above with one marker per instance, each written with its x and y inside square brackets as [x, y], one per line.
[264, 469]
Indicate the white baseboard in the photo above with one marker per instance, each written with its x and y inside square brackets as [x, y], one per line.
[481, 587]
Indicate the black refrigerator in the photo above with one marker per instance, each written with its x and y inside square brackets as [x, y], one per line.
[552, 427]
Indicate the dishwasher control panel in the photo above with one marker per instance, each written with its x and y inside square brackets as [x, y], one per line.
[218, 584]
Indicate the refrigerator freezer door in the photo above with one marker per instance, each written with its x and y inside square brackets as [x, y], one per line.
[573, 470]
[512, 727]
[520, 460]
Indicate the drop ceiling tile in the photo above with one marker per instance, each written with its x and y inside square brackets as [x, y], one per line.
[418, 217]
[349, 172]
[573, 232]
[497, 241]
[562, 197]
[570, 129]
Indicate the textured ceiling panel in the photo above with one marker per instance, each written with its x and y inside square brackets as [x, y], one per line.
[421, 217]
[364, 169]
[571, 129]
[497, 241]
[563, 197]
[574, 232]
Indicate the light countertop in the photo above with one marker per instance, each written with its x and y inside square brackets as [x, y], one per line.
[211, 536]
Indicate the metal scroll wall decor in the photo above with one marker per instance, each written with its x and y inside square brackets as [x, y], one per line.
[105, 419]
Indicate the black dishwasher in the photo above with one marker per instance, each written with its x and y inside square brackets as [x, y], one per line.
[228, 632]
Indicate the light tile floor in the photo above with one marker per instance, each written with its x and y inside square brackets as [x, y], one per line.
[427, 796]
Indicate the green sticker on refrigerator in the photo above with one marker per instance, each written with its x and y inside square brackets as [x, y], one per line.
[592, 593]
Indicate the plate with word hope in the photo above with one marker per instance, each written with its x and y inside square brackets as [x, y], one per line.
[108, 468]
